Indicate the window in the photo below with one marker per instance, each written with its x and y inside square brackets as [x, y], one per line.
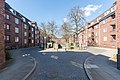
[36, 32]
[16, 39]
[37, 41]
[113, 16]
[104, 38]
[16, 20]
[7, 16]
[114, 37]
[7, 26]
[104, 30]
[25, 41]
[25, 26]
[96, 41]
[8, 38]
[104, 21]
[32, 29]
[16, 30]
[96, 26]
[25, 33]
[96, 34]
[24, 20]
[92, 34]
[32, 35]
[32, 41]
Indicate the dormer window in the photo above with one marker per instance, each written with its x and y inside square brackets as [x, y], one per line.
[113, 16]
[24, 20]
[104, 21]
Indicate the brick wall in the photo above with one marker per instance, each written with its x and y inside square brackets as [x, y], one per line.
[118, 22]
[2, 55]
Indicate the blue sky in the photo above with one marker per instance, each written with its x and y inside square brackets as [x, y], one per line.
[47, 10]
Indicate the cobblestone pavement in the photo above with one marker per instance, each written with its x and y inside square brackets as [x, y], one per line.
[59, 65]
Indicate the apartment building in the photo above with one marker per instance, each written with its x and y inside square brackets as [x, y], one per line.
[2, 53]
[20, 32]
[71, 38]
[103, 31]
[37, 34]
[82, 37]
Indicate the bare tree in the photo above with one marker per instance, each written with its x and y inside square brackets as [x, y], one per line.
[52, 27]
[44, 28]
[77, 17]
[66, 29]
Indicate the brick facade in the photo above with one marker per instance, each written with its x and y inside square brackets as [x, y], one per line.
[37, 34]
[19, 30]
[118, 22]
[103, 31]
[2, 54]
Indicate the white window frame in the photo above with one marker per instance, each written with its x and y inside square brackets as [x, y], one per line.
[16, 20]
[104, 21]
[8, 38]
[96, 26]
[7, 26]
[7, 16]
[105, 30]
[25, 26]
[32, 35]
[16, 39]
[32, 29]
[105, 38]
[25, 33]
[25, 41]
[16, 30]
[32, 41]
[96, 34]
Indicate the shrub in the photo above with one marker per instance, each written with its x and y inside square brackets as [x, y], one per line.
[7, 55]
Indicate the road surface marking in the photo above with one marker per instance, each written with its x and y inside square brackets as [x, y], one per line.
[44, 53]
[91, 66]
[54, 57]
[76, 64]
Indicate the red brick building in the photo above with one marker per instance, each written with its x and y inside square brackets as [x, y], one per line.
[37, 34]
[2, 54]
[71, 38]
[118, 22]
[103, 31]
[20, 32]
[82, 37]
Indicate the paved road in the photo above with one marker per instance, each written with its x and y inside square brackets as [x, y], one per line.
[59, 65]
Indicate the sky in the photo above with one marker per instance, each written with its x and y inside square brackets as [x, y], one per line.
[57, 10]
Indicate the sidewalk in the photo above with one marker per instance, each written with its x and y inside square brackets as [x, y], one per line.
[19, 68]
[61, 50]
[101, 67]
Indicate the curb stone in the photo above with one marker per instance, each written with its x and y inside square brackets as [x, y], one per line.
[86, 70]
[35, 63]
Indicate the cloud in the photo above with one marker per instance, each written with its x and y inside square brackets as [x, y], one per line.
[89, 9]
